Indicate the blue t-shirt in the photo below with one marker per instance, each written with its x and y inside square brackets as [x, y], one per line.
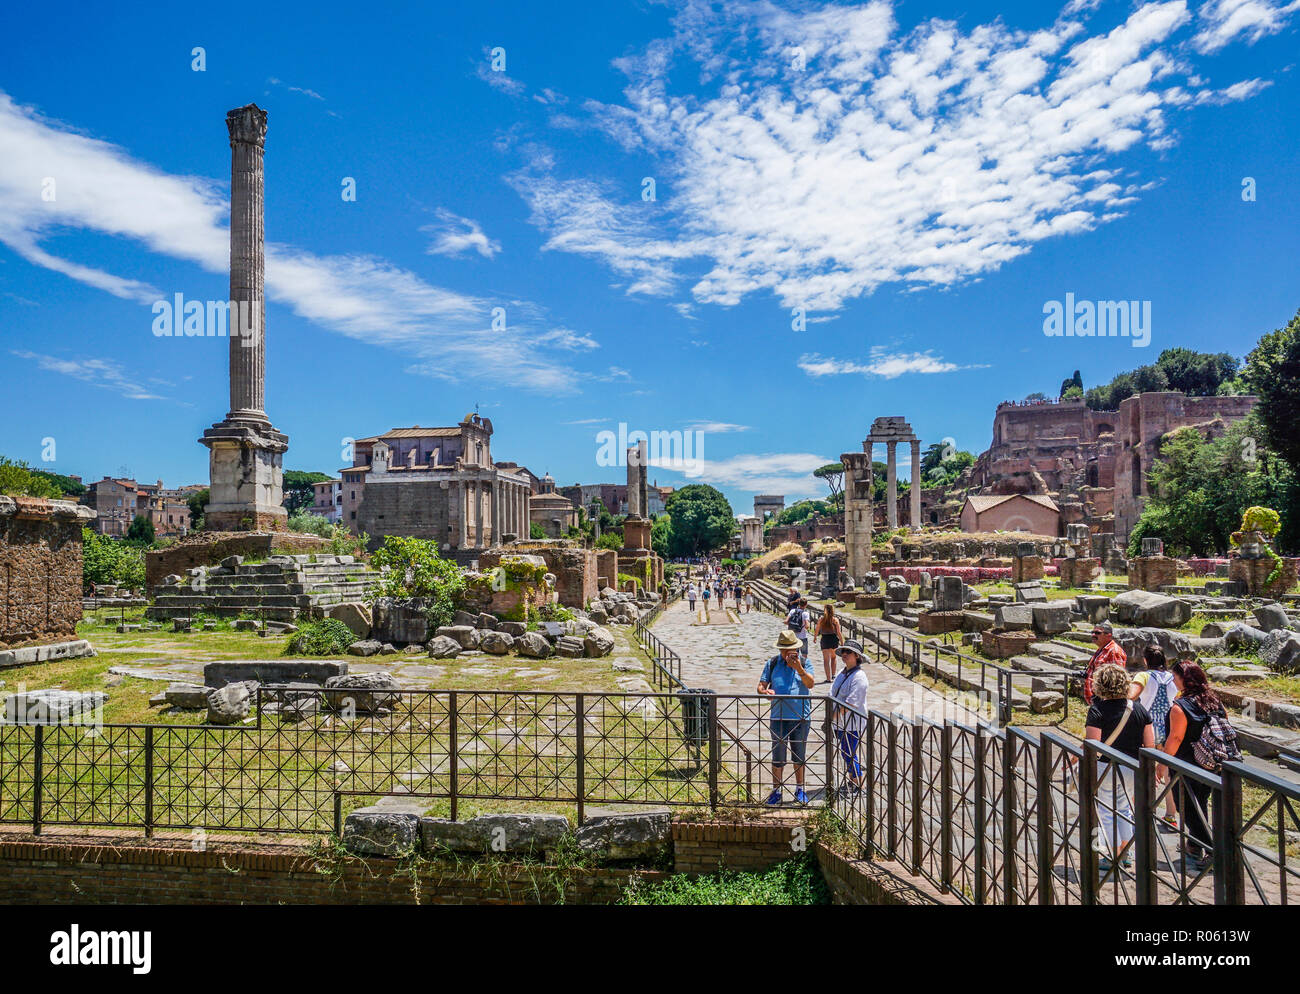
[783, 679]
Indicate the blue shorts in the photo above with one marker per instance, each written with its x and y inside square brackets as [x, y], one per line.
[793, 731]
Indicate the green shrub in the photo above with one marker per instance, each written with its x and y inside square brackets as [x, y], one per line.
[796, 881]
[327, 637]
[17, 479]
[310, 524]
[110, 560]
[416, 570]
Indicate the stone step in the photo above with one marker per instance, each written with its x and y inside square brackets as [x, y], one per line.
[166, 613]
[1266, 741]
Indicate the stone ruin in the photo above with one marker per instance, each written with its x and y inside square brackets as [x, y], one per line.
[1078, 568]
[1152, 570]
[40, 569]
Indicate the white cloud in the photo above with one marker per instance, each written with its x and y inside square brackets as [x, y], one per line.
[923, 158]
[716, 427]
[788, 473]
[454, 235]
[99, 188]
[103, 373]
[883, 364]
[1224, 21]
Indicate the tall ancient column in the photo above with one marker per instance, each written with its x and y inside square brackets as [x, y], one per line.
[915, 491]
[247, 127]
[891, 480]
[246, 489]
[463, 503]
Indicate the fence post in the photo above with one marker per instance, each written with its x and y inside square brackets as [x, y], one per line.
[945, 808]
[1229, 867]
[869, 782]
[918, 733]
[582, 755]
[1087, 827]
[981, 812]
[715, 757]
[38, 777]
[453, 749]
[1044, 787]
[338, 815]
[1144, 843]
[828, 737]
[1009, 818]
[148, 781]
[891, 814]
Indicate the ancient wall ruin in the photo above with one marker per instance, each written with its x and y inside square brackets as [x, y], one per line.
[40, 569]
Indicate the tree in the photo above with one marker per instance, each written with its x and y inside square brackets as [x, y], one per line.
[1035, 397]
[833, 475]
[298, 492]
[141, 530]
[661, 534]
[535, 530]
[18, 480]
[701, 520]
[1068, 387]
[1273, 373]
[197, 501]
[1198, 374]
[66, 485]
[1199, 489]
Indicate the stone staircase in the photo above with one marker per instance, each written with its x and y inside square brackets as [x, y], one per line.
[280, 589]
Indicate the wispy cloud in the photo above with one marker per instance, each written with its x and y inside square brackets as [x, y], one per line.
[886, 365]
[454, 235]
[716, 427]
[831, 153]
[104, 373]
[788, 473]
[1225, 21]
[100, 188]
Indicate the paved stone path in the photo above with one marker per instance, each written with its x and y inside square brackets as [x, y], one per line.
[728, 657]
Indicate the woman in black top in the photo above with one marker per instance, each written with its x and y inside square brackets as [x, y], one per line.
[1187, 718]
[1125, 726]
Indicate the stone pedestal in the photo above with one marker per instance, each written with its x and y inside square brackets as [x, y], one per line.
[1152, 572]
[1079, 572]
[1254, 574]
[1025, 568]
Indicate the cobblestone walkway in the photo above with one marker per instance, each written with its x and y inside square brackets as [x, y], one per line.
[728, 657]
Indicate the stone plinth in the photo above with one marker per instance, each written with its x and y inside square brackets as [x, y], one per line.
[869, 602]
[1152, 572]
[939, 622]
[246, 487]
[1254, 574]
[1004, 645]
[636, 533]
[575, 569]
[1025, 568]
[1079, 572]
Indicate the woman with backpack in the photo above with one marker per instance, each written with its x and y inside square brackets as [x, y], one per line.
[1199, 733]
[1124, 725]
[1154, 689]
[830, 636]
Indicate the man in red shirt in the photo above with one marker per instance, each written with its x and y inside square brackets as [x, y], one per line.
[1108, 651]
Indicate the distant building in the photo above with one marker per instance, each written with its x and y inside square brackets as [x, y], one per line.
[118, 501]
[554, 513]
[327, 500]
[1033, 513]
[435, 483]
[614, 497]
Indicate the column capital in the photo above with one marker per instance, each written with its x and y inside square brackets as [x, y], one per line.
[247, 125]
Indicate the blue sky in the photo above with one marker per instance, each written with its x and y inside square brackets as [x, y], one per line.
[918, 180]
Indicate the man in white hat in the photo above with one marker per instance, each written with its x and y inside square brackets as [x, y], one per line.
[785, 678]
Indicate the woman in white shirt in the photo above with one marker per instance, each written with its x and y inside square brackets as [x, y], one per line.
[1154, 689]
[849, 692]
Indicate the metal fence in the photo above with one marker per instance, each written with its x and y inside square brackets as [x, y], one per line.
[941, 661]
[1004, 816]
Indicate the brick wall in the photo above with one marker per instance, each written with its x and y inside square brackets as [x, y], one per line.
[209, 548]
[706, 847]
[133, 870]
[40, 569]
[860, 881]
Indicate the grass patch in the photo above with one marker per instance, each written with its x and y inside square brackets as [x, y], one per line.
[796, 881]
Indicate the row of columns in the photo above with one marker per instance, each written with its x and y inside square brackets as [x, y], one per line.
[495, 507]
[891, 484]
